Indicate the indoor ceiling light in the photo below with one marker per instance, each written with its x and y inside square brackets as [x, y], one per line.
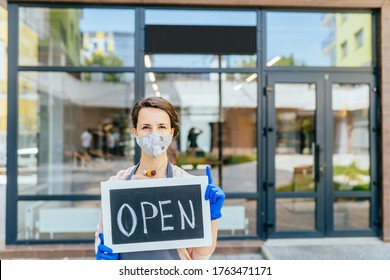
[152, 77]
[148, 62]
[251, 78]
[274, 60]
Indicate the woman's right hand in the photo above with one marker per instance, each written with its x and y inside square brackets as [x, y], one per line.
[104, 252]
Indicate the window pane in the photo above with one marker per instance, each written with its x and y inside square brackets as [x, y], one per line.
[195, 97]
[205, 130]
[200, 60]
[3, 112]
[359, 39]
[318, 39]
[3, 91]
[55, 110]
[239, 217]
[351, 137]
[351, 213]
[200, 17]
[295, 106]
[239, 103]
[76, 37]
[295, 214]
[57, 219]
[181, 60]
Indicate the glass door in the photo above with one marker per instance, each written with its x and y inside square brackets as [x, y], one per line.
[321, 178]
[295, 137]
[352, 156]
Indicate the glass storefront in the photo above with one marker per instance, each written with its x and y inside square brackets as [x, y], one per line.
[79, 72]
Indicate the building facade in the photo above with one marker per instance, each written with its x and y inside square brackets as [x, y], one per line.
[287, 104]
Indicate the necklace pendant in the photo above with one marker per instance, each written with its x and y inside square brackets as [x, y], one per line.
[150, 173]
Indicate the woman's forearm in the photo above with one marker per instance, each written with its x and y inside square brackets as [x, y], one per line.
[204, 251]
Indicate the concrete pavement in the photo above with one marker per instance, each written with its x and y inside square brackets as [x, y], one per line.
[360, 248]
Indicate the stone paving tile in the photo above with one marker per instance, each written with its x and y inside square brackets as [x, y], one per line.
[237, 257]
[327, 249]
[213, 257]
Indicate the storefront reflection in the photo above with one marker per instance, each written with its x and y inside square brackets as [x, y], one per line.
[77, 129]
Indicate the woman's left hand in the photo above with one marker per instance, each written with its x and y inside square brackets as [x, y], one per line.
[104, 252]
[216, 197]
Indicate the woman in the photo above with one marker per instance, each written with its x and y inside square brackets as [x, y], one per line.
[155, 123]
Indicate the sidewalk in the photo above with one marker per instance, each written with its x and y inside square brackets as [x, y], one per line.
[238, 250]
[366, 248]
[226, 250]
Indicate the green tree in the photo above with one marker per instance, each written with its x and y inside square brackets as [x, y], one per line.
[286, 61]
[109, 60]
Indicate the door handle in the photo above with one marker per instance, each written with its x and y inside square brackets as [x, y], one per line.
[317, 169]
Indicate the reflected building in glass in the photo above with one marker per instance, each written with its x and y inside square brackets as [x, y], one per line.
[281, 104]
[115, 44]
[349, 39]
[3, 86]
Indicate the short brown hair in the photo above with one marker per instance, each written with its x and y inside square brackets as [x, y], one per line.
[159, 103]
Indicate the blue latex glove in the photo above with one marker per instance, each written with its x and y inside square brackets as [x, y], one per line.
[104, 252]
[215, 195]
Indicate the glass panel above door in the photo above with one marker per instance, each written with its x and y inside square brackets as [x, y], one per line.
[319, 39]
[200, 17]
[295, 106]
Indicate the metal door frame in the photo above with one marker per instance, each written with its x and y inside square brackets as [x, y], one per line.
[324, 138]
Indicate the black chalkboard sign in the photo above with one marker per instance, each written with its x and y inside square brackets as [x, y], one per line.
[155, 214]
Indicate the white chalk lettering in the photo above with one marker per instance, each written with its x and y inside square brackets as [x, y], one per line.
[155, 212]
[163, 227]
[119, 220]
[183, 215]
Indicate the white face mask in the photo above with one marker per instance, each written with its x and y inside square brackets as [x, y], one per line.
[154, 144]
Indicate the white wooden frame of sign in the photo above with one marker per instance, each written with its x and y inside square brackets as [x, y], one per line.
[155, 183]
